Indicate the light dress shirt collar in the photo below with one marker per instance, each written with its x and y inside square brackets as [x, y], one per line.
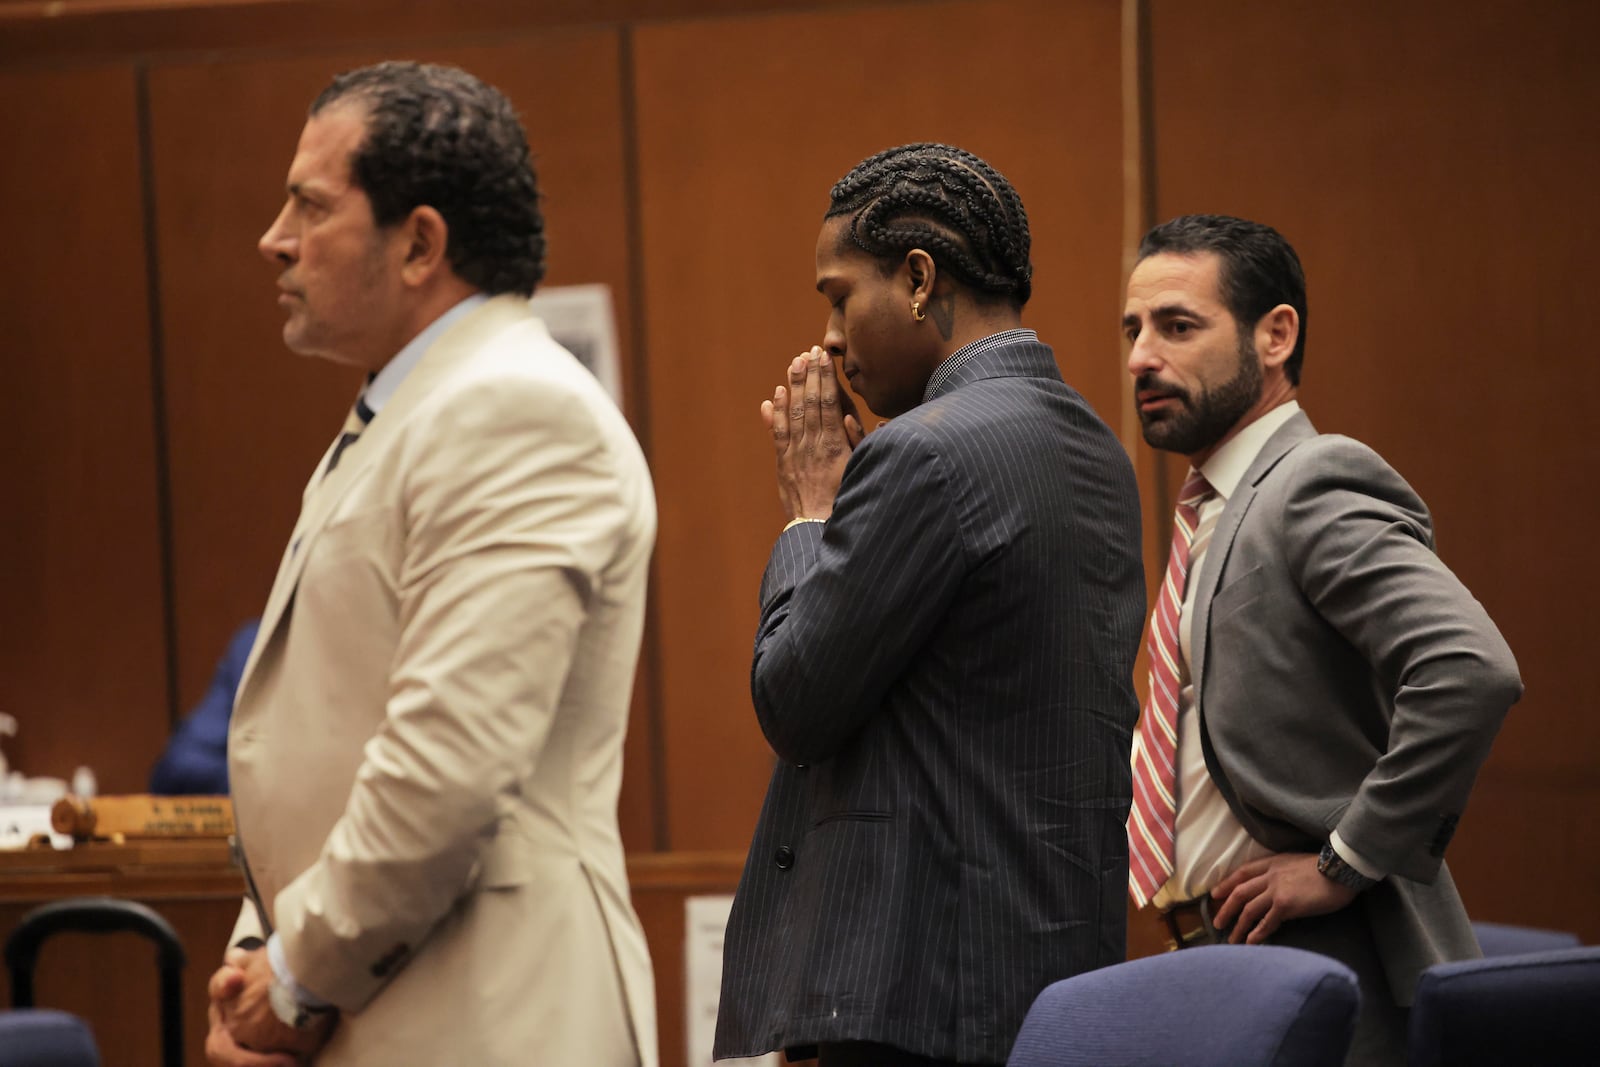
[381, 386]
[1228, 464]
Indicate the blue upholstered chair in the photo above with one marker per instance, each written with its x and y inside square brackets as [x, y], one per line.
[1537, 1008]
[1499, 939]
[1211, 1006]
[39, 1037]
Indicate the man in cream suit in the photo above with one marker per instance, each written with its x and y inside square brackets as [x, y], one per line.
[427, 743]
[1324, 689]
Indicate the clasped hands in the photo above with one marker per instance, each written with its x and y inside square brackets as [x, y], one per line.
[814, 429]
[245, 1032]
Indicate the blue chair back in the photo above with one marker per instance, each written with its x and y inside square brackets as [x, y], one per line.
[1210, 1006]
[1534, 1008]
[1501, 939]
[40, 1037]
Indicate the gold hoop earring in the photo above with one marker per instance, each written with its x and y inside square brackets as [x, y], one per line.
[917, 312]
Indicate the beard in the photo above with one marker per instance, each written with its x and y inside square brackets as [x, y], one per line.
[1198, 423]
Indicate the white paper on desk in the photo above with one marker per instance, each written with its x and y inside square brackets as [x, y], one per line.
[705, 919]
[21, 823]
[580, 318]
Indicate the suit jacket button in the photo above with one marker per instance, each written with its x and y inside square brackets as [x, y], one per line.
[784, 857]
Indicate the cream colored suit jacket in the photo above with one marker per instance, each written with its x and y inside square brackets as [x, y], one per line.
[426, 747]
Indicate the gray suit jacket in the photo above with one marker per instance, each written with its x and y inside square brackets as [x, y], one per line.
[944, 671]
[1347, 679]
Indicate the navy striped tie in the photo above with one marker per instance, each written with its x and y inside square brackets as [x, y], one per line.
[360, 415]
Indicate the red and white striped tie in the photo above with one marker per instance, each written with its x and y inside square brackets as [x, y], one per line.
[1152, 840]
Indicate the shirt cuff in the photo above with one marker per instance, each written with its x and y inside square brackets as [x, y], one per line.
[797, 521]
[1355, 859]
[280, 970]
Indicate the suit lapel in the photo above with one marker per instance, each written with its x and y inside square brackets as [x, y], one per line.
[1287, 436]
[323, 494]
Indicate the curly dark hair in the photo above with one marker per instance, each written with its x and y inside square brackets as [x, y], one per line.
[1260, 269]
[439, 137]
[947, 202]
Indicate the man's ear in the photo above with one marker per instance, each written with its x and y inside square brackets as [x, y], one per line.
[426, 238]
[1276, 334]
[922, 275]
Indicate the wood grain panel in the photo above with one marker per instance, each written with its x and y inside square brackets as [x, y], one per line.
[55, 30]
[744, 125]
[1427, 166]
[247, 418]
[82, 652]
[1525, 853]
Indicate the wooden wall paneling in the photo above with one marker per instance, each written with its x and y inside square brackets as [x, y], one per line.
[744, 125]
[82, 650]
[55, 30]
[662, 884]
[248, 419]
[1425, 162]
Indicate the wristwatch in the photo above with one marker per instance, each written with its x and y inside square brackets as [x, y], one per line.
[1332, 866]
[289, 1010]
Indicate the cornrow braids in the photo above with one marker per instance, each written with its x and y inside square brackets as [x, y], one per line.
[946, 201]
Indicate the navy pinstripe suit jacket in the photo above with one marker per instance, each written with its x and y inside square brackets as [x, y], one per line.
[944, 671]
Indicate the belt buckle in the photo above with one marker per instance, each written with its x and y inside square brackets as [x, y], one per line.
[1204, 934]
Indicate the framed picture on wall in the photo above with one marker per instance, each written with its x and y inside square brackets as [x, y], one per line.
[580, 319]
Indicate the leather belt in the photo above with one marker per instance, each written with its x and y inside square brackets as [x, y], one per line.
[1188, 924]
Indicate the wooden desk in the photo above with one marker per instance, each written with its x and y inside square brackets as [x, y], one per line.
[110, 980]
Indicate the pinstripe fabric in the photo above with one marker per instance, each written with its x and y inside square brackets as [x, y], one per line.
[944, 670]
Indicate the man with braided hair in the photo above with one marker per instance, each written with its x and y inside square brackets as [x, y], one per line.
[943, 664]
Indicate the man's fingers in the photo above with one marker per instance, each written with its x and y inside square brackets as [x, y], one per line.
[797, 388]
[225, 983]
[223, 1051]
[1264, 929]
[1266, 919]
[828, 392]
[1249, 915]
[1222, 918]
[1233, 905]
[853, 432]
[813, 398]
[773, 411]
[1263, 902]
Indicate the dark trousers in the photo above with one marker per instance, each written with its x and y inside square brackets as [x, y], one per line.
[869, 1054]
[1345, 935]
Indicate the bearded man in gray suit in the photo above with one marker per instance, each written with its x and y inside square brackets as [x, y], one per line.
[1335, 687]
